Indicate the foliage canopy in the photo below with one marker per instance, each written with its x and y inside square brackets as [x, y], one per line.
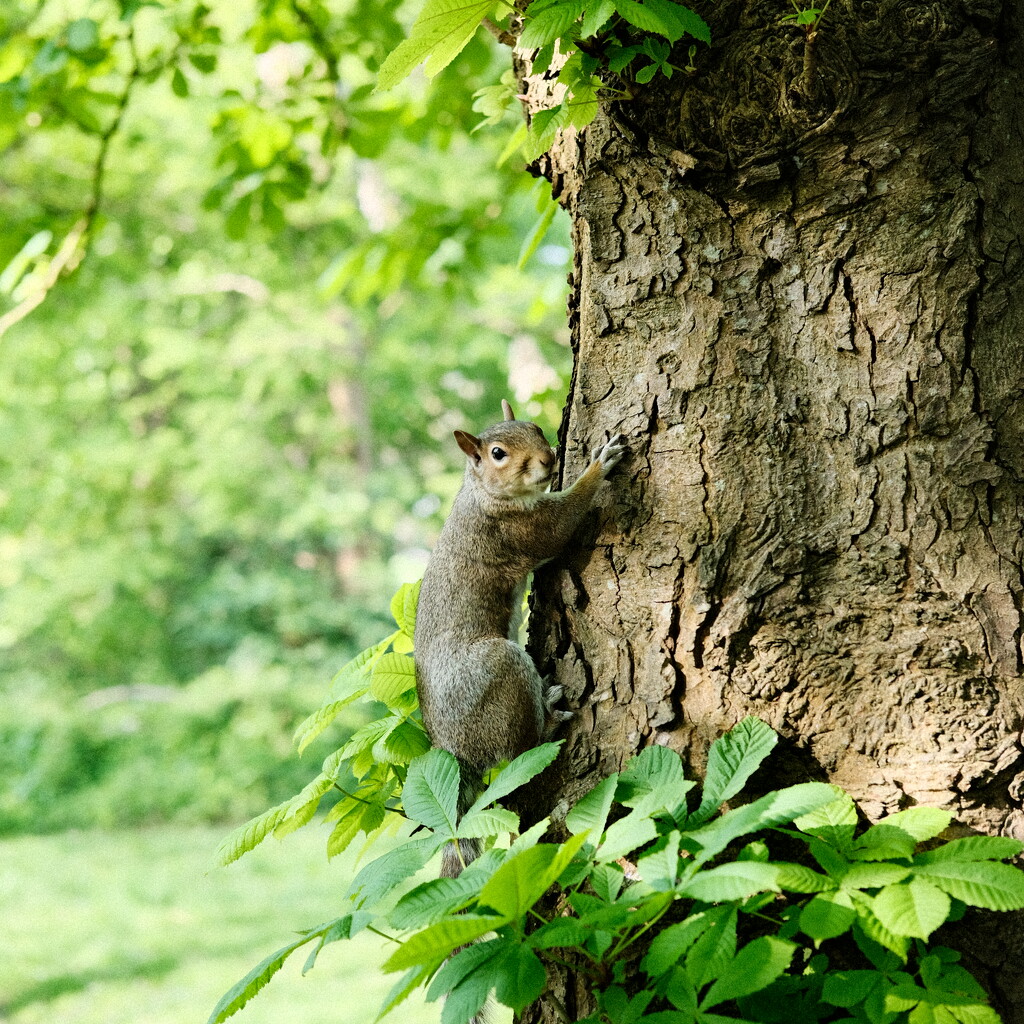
[216, 469]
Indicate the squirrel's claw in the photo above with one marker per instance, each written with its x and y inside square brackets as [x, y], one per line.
[611, 452]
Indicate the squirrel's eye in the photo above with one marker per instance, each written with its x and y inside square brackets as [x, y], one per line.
[498, 454]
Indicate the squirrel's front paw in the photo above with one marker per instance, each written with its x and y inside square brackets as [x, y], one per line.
[611, 452]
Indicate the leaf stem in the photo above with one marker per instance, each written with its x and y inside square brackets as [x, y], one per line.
[628, 940]
[554, 1001]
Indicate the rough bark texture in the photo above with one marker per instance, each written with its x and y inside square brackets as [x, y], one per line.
[798, 289]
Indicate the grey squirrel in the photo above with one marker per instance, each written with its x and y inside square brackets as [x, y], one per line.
[480, 694]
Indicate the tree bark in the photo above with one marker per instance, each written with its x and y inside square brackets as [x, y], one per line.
[798, 291]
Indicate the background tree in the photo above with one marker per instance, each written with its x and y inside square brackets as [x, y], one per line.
[216, 470]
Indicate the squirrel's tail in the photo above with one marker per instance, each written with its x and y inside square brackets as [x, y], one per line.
[457, 856]
[454, 860]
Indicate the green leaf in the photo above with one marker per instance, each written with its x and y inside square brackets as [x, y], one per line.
[834, 823]
[827, 916]
[873, 875]
[544, 125]
[431, 901]
[242, 991]
[404, 987]
[682, 994]
[606, 880]
[848, 988]
[520, 976]
[517, 773]
[920, 822]
[620, 57]
[524, 878]
[179, 84]
[343, 928]
[315, 724]
[914, 909]
[733, 758]
[403, 607]
[350, 683]
[972, 848]
[349, 678]
[536, 235]
[774, 808]
[624, 836]
[591, 812]
[642, 16]
[393, 676]
[708, 957]
[672, 942]
[679, 20]
[431, 792]
[402, 743]
[303, 806]
[985, 884]
[755, 967]
[598, 12]
[644, 75]
[531, 837]
[393, 682]
[884, 842]
[488, 822]
[732, 881]
[660, 866]
[441, 31]
[620, 1009]
[432, 946]
[550, 23]
[352, 817]
[380, 877]
[797, 878]
[248, 836]
[562, 931]
[465, 980]
[868, 927]
[883, 950]
[654, 769]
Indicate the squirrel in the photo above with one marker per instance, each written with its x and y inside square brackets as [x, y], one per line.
[480, 694]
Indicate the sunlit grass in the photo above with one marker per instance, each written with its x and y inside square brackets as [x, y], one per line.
[137, 927]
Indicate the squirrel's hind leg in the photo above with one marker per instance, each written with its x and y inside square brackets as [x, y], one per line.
[553, 717]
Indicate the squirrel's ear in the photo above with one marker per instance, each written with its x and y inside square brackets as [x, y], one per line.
[469, 444]
[507, 410]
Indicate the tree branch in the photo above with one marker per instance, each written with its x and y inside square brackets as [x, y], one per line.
[76, 243]
[319, 41]
[502, 35]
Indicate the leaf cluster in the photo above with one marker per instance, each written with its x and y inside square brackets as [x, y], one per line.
[585, 39]
[374, 760]
[687, 889]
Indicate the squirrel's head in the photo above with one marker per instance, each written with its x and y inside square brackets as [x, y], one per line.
[512, 459]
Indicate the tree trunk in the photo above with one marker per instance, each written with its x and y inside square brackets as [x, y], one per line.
[798, 291]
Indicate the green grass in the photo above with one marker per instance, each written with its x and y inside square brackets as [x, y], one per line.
[137, 927]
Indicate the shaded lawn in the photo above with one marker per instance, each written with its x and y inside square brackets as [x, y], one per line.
[137, 927]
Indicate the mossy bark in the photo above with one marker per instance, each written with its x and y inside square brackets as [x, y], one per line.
[799, 291]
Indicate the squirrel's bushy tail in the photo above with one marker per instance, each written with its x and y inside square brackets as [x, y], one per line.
[454, 860]
[457, 856]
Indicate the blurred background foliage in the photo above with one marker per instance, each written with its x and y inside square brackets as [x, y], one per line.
[243, 302]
